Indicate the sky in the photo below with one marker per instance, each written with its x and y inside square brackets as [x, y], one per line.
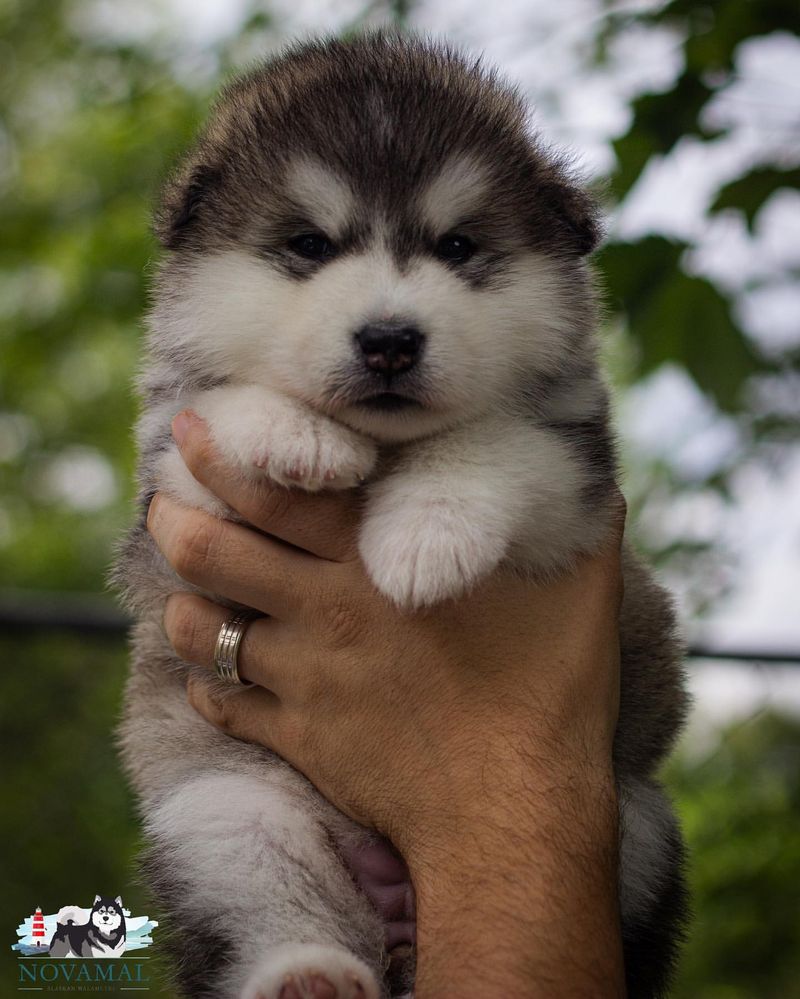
[542, 46]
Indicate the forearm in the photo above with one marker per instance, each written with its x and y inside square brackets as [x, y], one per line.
[522, 902]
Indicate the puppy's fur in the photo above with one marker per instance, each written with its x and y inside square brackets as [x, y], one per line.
[432, 210]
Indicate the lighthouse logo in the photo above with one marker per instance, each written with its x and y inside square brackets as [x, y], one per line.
[106, 930]
[38, 931]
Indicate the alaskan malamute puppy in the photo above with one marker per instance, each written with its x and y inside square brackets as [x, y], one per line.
[103, 934]
[377, 275]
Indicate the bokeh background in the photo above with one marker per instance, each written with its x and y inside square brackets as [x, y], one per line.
[686, 116]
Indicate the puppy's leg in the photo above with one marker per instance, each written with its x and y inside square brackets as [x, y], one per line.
[653, 893]
[264, 433]
[457, 504]
[247, 868]
[244, 854]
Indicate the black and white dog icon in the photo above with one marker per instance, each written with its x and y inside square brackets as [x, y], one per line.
[103, 935]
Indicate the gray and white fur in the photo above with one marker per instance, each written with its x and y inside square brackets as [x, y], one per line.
[376, 273]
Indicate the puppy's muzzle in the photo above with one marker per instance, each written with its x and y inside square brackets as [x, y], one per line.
[390, 348]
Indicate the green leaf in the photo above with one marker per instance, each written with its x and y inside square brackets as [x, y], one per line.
[675, 317]
[749, 193]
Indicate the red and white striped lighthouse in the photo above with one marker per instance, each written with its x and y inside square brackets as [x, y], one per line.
[38, 926]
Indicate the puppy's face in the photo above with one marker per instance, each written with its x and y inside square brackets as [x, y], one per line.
[392, 284]
[107, 914]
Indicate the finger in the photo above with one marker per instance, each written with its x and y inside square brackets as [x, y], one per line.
[610, 556]
[252, 715]
[323, 524]
[603, 568]
[232, 560]
[193, 625]
[619, 508]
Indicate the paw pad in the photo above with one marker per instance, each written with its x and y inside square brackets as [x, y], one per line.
[311, 986]
[308, 971]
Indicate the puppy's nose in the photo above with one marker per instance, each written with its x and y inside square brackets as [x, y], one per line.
[390, 348]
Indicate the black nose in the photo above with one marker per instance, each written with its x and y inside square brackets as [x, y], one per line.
[390, 348]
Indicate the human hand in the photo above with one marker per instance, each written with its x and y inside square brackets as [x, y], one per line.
[367, 699]
[471, 715]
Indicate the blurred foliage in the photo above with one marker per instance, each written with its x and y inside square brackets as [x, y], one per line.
[67, 822]
[90, 121]
[712, 33]
[739, 806]
[666, 309]
[749, 193]
[669, 314]
[86, 130]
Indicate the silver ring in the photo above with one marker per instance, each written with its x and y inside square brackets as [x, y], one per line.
[227, 648]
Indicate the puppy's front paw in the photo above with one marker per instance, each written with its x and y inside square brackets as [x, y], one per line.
[311, 971]
[429, 552]
[316, 453]
[265, 433]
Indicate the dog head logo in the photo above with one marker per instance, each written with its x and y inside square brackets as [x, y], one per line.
[107, 916]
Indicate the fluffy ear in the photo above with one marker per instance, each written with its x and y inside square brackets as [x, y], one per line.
[96, 900]
[118, 900]
[181, 203]
[576, 213]
[573, 215]
[582, 218]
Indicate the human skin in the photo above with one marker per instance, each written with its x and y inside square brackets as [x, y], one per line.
[476, 735]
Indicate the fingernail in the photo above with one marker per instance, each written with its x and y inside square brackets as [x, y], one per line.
[182, 424]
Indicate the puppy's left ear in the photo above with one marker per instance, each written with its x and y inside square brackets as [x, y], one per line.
[579, 218]
[118, 900]
[566, 211]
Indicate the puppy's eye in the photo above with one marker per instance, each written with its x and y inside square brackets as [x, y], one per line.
[312, 245]
[455, 248]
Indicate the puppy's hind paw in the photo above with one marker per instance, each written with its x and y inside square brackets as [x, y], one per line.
[311, 971]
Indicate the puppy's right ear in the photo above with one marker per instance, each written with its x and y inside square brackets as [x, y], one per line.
[182, 202]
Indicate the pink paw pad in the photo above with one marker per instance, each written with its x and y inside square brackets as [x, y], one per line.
[315, 985]
[312, 971]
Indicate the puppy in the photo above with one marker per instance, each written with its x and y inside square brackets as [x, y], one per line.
[376, 274]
